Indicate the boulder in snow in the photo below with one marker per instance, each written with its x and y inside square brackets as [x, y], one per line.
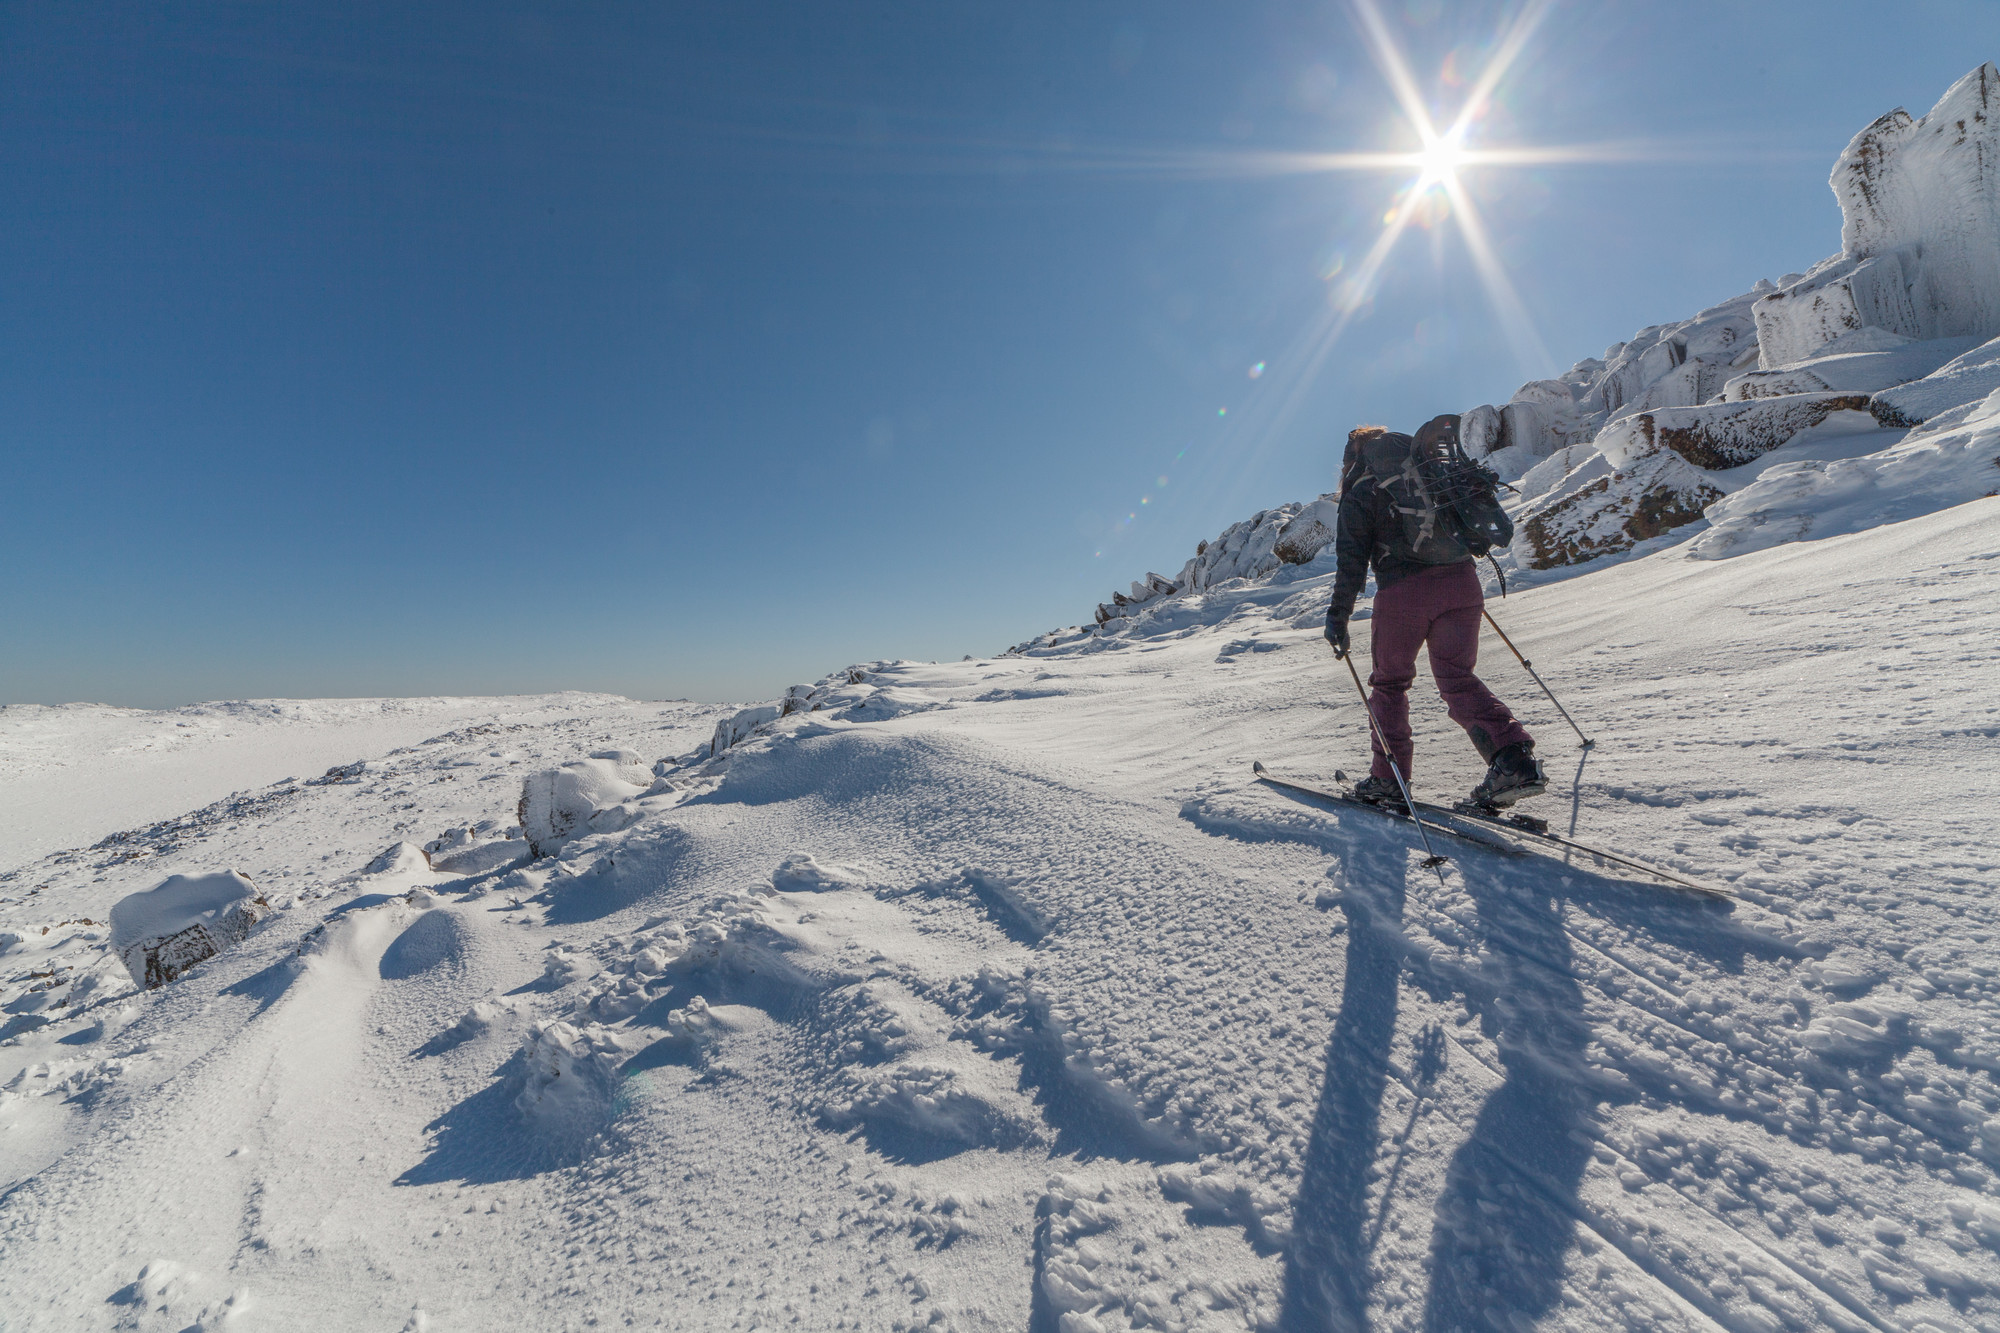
[1950, 460]
[1308, 533]
[737, 727]
[184, 920]
[558, 802]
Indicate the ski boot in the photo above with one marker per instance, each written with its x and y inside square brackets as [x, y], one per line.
[1514, 775]
[1378, 791]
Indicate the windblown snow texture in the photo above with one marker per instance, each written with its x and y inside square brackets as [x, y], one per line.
[998, 994]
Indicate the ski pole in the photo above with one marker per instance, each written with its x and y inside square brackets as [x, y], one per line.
[1431, 859]
[1587, 742]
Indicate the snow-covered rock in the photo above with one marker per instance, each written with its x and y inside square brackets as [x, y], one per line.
[1309, 532]
[1948, 461]
[184, 920]
[556, 803]
[1920, 213]
[1721, 435]
[1867, 360]
[570, 1072]
[1928, 192]
[1601, 508]
[1965, 379]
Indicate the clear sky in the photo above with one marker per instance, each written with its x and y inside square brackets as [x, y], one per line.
[693, 350]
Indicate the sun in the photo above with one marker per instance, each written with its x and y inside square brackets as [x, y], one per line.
[1440, 159]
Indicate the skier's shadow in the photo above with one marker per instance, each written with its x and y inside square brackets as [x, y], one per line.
[1326, 1265]
[1503, 1224]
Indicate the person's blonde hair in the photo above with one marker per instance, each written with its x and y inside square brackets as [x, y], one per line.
[1350, 461]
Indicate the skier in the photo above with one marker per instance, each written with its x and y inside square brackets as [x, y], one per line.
[1426, 591]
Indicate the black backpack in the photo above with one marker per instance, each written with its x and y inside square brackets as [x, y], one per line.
[1448, 506]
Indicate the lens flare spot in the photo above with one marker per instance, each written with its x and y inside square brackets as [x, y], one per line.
[1162, 481]
[1222, 411]
[1257, 371]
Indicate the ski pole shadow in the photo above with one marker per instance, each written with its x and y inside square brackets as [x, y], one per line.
[1576, 791]
[1327, 1264]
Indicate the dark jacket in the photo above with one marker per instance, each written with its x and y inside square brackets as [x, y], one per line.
[1369, 534]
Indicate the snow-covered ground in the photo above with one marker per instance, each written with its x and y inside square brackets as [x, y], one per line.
[73, 773]
[994, 994]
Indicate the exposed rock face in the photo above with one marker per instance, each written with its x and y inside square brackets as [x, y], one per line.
[1308, 533]
[1599, 511]
[1722, 435]
[185, 920]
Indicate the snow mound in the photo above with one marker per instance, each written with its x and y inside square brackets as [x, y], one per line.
[184, 920]
[1965, 379]
[800, 873]
[398, 858]
[570, 1072]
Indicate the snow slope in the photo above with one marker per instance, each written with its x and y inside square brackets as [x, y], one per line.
[75, 772]
[992, 994]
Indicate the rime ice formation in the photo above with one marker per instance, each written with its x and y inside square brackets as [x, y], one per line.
[1917, 284]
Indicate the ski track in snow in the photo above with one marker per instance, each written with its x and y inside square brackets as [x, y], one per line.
[1005, 998]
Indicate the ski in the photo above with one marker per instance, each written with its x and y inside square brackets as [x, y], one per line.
[1519, 828]
[1343, 797]
[1537, 830]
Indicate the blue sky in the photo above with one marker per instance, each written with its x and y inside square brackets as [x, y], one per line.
[696, 350]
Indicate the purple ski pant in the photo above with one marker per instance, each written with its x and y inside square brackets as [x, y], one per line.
[1441, 606]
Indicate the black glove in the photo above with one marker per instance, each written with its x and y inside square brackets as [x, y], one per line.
[1336, 633]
